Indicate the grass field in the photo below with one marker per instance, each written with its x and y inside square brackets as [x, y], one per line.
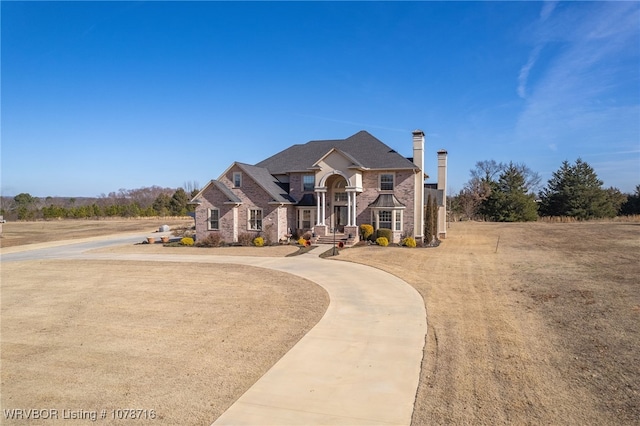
[527, 323]
[546, 330]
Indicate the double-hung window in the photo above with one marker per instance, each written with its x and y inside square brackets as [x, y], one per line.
[386, 181]
[308, 183]
[237, 179]
[255, 219]
[214, 219]
[305, 219]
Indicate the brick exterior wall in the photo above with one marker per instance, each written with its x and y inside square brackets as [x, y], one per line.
[252, 196]
[403, 190]
[277, 220]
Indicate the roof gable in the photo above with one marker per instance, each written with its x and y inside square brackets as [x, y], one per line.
[338, 159]
[231, 197]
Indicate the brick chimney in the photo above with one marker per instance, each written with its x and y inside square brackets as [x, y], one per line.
[418, 204]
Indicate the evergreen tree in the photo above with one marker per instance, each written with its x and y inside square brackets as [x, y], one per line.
[632, 205]
[24, 203]
[179, 202]
[434, 218]
[575, 191]
[509, 200]
[428, 226]
[162, 204]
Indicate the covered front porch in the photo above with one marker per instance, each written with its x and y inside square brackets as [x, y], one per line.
[336, 209]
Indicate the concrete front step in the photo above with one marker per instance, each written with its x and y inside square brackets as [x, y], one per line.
[328, 239]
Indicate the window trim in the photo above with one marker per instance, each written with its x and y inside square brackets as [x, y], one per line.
[390, 221]
[257, 221]
[313, 183]
[397, 219]
[239, 176]
[393, 181]
[300, 217]
[209, 219]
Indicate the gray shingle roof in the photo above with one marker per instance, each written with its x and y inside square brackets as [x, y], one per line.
[368, 151]
[233, 198]
[269, 183]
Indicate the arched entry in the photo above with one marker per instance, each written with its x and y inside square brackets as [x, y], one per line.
[338, 208]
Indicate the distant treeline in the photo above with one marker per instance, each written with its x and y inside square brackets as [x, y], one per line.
[512, 192]
[141, 202]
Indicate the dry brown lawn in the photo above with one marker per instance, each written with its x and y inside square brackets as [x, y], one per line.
[185, 340]
[545, 331]
[22, 233]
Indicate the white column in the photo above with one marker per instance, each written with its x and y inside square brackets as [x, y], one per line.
[323, 208]
[349, 208]
[354, 214]
[318, 222]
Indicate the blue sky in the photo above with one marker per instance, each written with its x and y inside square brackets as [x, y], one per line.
[98, 96]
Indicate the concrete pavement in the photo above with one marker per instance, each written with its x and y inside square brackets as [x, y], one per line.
[359, 365]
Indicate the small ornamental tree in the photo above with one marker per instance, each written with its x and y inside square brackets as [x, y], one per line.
[430, 222]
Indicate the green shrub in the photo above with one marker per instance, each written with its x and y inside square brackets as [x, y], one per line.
[307, 235]
[186, 241]
[382, 241]
[258, 241]
[212, 240]
[409, 242]
[366, 231]
[386, 233]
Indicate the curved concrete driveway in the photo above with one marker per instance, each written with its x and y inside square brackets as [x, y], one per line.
[359, 365]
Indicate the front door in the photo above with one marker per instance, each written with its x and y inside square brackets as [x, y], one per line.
[340, 217]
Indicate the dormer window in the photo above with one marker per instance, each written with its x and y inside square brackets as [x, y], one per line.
[386, 181]
[237, 179]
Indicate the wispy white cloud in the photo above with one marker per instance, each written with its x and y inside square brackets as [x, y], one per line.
[547, 9]
[591, 61]
[580, 88]
[524, 71]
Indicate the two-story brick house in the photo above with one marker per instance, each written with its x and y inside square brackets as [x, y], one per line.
[320, 186]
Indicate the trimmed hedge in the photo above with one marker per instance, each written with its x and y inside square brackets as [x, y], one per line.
[386, 233]
[382, 241]
[409, 242]
[186, 241]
